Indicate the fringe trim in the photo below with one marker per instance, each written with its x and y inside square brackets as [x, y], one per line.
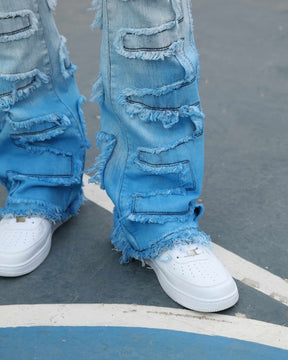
[119, 42]
[80, 102]
[66, 66]
[58, 119]
[97, 94]
[61, 122]
[43, 209]
[38, 78]
[24, 33]
[195, 211]
[108, 142]
[97, 6]
[52, 4]
[168, 117]
[182, 236]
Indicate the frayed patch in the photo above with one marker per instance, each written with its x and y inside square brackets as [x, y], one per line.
[97, 6]
[108, 143]
[40, 128]
[168, 159]
[61, 174]
[168, 117]
[52, 4]
[17, 25]
[128, 93]
[98, 91]
[66, 66]
[164, 206]
[33, 80]
[156, 52]
[80, 102]
[145, 103]
[164, 148]
[56, 119]
[130, 99]
[182, 169]
[69, 169]
[186, 235]
[152, 43]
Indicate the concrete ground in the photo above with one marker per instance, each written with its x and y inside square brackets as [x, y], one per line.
[243, 46]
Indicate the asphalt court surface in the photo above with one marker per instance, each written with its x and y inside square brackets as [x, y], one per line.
[243, 87]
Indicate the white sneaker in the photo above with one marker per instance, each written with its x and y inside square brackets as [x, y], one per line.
[193, 277]
[24, 244]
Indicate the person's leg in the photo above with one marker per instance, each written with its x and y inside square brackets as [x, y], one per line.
[151, 137]
[42, 133]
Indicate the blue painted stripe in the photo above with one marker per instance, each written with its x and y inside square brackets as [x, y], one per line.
[103, 343]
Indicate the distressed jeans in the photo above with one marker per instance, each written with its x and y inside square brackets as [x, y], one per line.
[151, 138]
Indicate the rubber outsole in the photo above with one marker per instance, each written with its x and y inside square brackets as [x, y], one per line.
[190, 302]
[32, 263]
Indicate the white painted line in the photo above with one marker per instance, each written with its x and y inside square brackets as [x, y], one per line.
[241, 269]
[253, 275]
[93, 193]
[144, 317]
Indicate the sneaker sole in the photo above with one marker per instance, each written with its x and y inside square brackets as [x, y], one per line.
[32, 263]
[190, 302]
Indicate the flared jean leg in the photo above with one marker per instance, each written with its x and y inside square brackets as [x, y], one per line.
[151, 161]
[42, 131]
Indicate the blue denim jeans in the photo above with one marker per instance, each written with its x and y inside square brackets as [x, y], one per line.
[42, 134]
[151, 138]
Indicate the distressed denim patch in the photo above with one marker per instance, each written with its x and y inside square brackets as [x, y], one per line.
[16, 87]
[17, 25]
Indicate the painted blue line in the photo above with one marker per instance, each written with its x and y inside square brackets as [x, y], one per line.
[113, 343]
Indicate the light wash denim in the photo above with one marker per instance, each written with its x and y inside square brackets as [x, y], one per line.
[42, 135]
[151, 138]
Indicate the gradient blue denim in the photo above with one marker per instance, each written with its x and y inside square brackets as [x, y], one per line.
[151, 137]
[42, 133]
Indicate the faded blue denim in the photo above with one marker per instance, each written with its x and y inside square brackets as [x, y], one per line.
[42, 133]
[151, 137]
[151, 161]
